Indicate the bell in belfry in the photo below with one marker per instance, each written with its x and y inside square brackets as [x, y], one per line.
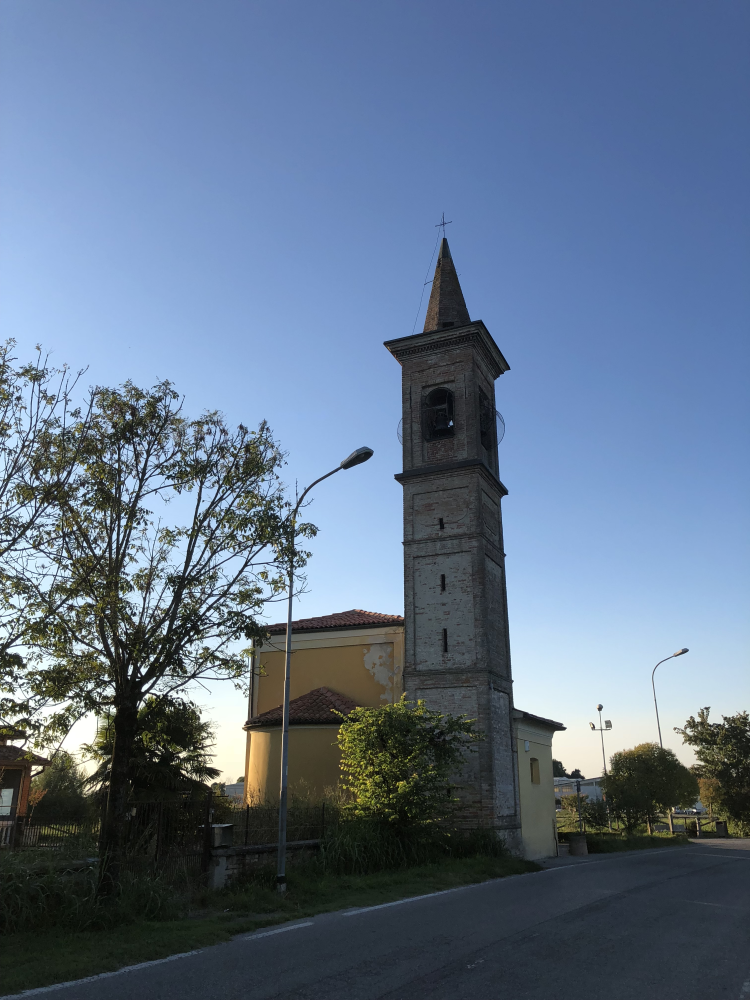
[442, 424]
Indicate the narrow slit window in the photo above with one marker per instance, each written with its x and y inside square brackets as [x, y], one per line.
[442, 581]
[486, 420]
[441, 523]
[445, 640]
[535, 778]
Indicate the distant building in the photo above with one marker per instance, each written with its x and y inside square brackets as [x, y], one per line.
[15, 779]
[590, 787]
[236, 790]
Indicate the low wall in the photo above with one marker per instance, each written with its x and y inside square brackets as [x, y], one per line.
[227, 863]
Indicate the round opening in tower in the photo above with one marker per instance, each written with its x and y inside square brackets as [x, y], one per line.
[437, 414]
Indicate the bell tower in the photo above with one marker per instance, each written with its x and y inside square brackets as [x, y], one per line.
[457, 649]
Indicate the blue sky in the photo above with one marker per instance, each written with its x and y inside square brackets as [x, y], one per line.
[241, 197]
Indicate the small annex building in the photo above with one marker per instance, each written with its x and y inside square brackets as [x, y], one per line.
[16, 764]
[356, 658]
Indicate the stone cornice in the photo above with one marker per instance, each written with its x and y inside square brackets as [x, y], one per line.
[475, 333]
[448, 467]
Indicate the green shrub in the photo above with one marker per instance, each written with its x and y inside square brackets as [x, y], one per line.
[399, 761]
[646, 781]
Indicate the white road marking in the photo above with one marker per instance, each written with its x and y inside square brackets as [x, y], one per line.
[411, 899]
[624, 856]
[721, 906]
[142, 965]
[101, 975]
[745, 991]
[276, 930]
[717, 852]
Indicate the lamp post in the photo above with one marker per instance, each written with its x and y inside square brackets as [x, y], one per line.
[653, 687]
[356, 458]
[656, 707]
[602, 729]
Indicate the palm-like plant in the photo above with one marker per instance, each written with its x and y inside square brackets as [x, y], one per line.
[171, 752]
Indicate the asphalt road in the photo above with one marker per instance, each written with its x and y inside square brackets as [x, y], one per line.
[672, 924]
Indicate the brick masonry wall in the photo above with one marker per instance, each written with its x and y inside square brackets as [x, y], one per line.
[453, 528]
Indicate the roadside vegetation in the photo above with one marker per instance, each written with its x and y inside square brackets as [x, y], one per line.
[644, 784]
[723, 769]
[184, 917]
[391, 831]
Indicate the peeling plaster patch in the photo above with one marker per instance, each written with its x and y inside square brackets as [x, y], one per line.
[378, 659]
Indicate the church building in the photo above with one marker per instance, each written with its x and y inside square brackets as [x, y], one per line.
[452, 647]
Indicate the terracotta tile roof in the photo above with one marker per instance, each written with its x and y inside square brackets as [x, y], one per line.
[9, 755]
[316, 708]
[11, 733]
[520, 714]
[344, 619]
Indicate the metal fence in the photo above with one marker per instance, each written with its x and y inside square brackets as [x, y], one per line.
[259, 825]
[48, 835]
[171, 834]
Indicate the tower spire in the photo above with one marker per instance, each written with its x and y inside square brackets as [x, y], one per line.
[446, 307]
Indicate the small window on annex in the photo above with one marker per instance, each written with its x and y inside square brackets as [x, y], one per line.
[535, 777]
[437, 414]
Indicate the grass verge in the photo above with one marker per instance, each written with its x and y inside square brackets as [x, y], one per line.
[32, 959]
[611, 843]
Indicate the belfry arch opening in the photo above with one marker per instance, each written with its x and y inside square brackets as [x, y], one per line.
[437, 414]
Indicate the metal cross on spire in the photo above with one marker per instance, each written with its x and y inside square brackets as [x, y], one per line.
[443, 224]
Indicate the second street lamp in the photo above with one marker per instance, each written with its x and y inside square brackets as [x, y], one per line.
[653, 687]
[356, 458]
[602, 729]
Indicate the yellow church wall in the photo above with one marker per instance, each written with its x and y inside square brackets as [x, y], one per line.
[537, 799]
[314, 760]
[366, 667]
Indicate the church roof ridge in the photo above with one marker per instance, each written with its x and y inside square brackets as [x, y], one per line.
[356, 618]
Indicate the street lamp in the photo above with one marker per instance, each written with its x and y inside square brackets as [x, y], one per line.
[653, 687]
[602, 729]
[356, 458]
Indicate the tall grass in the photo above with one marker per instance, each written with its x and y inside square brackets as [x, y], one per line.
[39, 896]
[361, 847]
[608, 843]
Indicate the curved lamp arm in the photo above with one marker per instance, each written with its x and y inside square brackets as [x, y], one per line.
[653, 686]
